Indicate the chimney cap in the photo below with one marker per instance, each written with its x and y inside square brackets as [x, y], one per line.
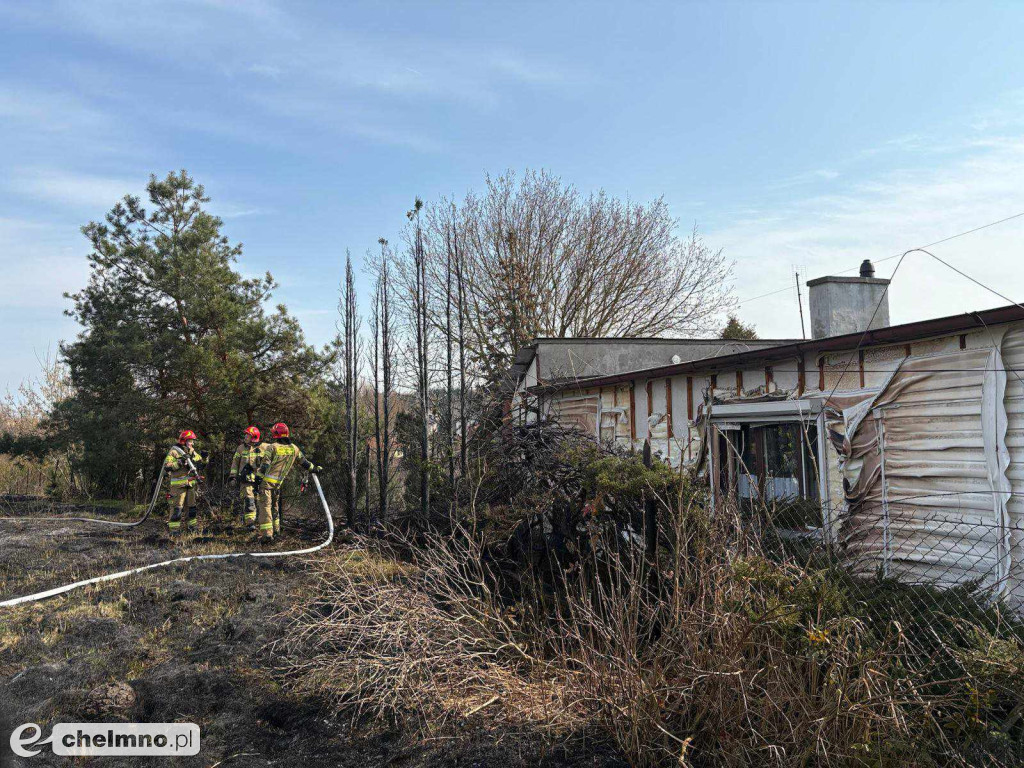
[867, 269]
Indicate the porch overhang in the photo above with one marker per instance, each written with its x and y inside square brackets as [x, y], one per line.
[766, 412]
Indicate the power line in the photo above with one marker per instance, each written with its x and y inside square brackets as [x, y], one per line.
[941, 261]
[881, 298]
[897, 255]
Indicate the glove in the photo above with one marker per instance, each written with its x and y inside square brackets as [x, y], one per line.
[204, 455]
[316, 469]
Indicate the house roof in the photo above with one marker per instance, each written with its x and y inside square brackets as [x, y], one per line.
[893, 334]
[525, 356]
[649, 340]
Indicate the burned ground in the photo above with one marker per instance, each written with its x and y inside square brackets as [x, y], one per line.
[195, 643]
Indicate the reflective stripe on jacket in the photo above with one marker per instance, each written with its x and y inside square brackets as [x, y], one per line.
[278, 460]
[176, 466]
[246, 454]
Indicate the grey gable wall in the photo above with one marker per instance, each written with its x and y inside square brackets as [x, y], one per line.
[575, 358]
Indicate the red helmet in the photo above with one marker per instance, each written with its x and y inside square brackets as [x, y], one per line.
[279, 430]
[187, 434]
[253, 432]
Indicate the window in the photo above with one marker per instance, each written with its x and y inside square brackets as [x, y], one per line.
[777, 461]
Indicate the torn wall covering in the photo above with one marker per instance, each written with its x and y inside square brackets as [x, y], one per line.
[927, 472]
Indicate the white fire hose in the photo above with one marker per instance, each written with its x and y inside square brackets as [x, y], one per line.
[122, 574]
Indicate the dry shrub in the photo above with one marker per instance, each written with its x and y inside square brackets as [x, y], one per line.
[722, 656]
[425, 640]
[714, 666]
[28, 464]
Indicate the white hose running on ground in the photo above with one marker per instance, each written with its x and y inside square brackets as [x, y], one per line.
[122, 574]
[101, 521]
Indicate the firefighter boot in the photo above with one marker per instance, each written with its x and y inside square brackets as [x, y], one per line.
[250, 513]
[193, 520]
[174, 522]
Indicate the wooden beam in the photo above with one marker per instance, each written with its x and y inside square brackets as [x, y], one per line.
[821, 373]
[650, 398]
[632, 410]
[769, 377]
[801, 376]
[739, 383]
[860, 365]
[668, 408]
[689, 400]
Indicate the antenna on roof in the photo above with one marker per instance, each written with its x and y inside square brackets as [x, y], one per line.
[800, 303]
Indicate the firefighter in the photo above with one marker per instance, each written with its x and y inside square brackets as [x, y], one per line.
[182, 468]
[277, 459]
[243, 473]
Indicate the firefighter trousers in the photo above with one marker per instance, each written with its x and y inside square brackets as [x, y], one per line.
[269, 509]
[247, 498]
[182, 497]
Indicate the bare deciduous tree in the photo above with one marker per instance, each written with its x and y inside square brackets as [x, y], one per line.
[449, 412]
[460, 305]
[541, 259]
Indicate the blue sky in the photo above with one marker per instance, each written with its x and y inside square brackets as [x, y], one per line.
[791, 133]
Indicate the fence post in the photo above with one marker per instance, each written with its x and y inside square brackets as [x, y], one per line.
[650, 515]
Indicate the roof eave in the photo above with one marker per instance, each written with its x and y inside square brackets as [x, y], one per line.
[893, 334]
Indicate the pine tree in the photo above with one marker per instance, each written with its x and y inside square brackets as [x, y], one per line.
[735, 329]
[173, 337]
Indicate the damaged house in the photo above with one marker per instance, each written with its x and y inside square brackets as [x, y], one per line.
[902, 446]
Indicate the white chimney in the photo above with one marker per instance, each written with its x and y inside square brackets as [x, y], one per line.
[848, 304]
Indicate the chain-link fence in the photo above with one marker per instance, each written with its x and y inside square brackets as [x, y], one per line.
[939, 576]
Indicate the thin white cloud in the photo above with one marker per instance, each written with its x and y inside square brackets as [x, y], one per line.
[302, 73]
[267, 70]
[883, 215]
[87, 192]
[227, 210]
[531, 71]
[320, 59]
[42, 261]
[72, 189]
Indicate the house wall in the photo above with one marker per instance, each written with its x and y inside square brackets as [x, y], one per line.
[946, 415]
[842, 372]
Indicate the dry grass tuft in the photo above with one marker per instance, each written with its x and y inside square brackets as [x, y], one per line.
[727, 656]
[425, 641]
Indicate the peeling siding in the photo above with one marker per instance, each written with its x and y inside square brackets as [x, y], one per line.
[840, 372]
[924, 477]
[581, 411]
[753, 378]
[1013, 359]
[786, 375]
